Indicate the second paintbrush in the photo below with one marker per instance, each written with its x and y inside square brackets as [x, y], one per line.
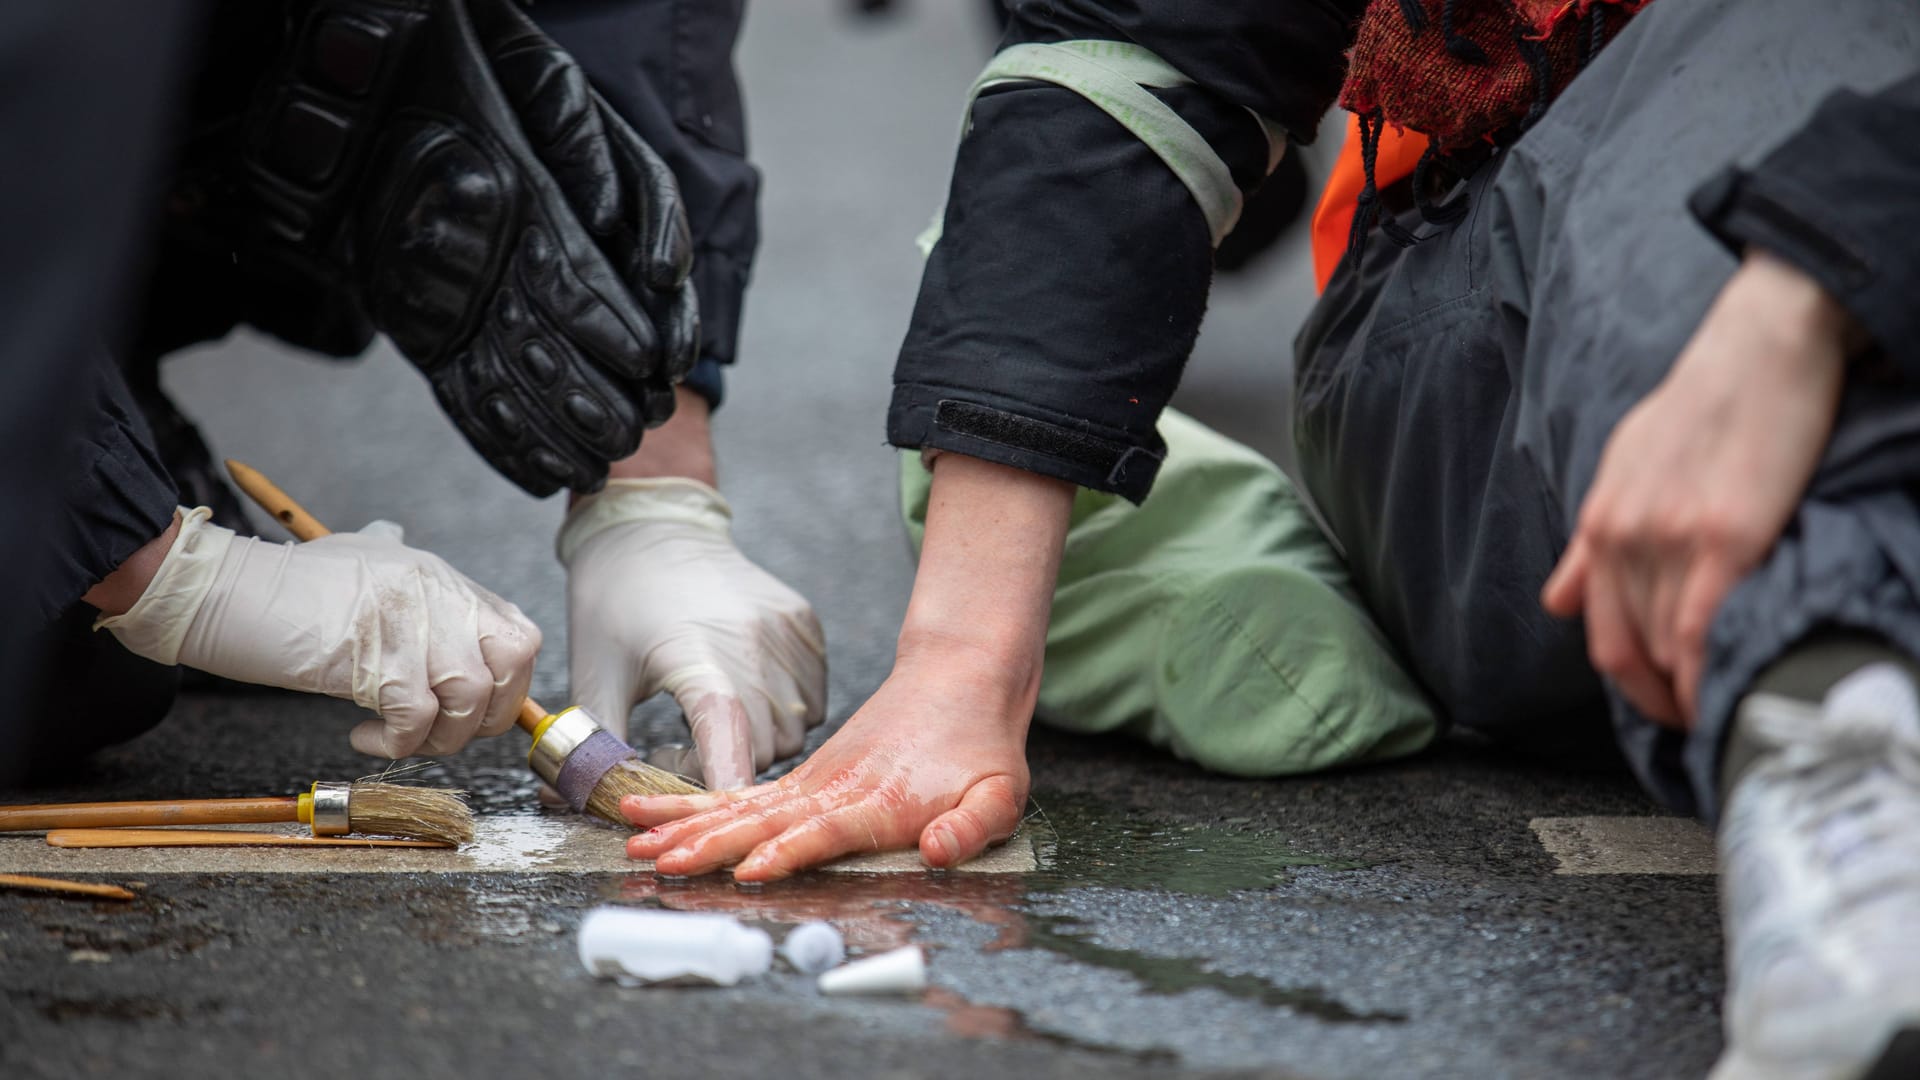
[330, 808]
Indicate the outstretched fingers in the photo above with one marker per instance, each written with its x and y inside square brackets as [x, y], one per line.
[861, 826]
[719, 837]
[649, 811]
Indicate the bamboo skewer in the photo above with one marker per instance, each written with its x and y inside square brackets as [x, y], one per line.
[125, 838]
[69, 888]
[557, 738]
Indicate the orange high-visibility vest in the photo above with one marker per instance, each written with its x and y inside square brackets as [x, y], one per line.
[1399, 152]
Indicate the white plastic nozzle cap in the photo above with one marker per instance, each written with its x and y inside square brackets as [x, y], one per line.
[902, 971]
[813, 948]
[636, 946]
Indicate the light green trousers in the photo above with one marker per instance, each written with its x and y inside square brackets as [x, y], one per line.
[1215, 620]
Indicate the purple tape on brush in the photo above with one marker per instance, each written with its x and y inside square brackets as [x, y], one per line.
[590, 761]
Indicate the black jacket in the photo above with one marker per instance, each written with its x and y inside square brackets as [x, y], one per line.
[1060, 305]
[1841, 200]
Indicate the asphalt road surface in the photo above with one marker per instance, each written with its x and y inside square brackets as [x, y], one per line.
[1461, 915]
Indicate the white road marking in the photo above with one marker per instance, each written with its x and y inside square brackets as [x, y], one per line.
[1627, 845]
[503, 844]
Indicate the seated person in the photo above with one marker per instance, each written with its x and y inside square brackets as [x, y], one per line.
[1609, 408]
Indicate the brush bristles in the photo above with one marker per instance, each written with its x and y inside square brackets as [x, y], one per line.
[415, 813]
[634, 777]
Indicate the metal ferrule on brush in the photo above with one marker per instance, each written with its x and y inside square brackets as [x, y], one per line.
[572, 752]
[558, 737]
[330, 817]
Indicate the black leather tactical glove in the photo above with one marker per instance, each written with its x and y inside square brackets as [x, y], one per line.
[449, 164]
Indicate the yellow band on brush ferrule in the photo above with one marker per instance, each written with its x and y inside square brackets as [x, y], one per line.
[305, 810]
[541, 731]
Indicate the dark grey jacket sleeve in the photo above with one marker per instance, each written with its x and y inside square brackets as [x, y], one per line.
[666, 66]
[1841, 200]
[1060, 305]
[116, 494]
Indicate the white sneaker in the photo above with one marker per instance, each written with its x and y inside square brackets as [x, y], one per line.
[1820, 883]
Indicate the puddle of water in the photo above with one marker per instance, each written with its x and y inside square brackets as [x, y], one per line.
[1083, 842]
[528, 840]
[964, 1018]
[873, 912]
[1097, 843]
[1178, 974]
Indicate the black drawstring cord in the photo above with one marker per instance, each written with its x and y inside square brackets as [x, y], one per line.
[1462, 49]
[1367, 211]
[1434, 213]
[1372, 125]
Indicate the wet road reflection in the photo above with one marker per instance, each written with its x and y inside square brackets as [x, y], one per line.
[1084, 844]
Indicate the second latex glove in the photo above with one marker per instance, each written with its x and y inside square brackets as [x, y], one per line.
[353, 615]
[659, 598]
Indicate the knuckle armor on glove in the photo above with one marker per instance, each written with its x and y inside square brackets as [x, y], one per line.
[448, 165]
[353, 615]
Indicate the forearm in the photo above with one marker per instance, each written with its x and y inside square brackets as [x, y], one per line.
[1780, 297]
[1835, 200]
[681, 447]
[117, 592]
[988, 568]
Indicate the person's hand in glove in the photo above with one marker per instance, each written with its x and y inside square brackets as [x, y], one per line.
[353, 615]
[659, 598]
[448, 167]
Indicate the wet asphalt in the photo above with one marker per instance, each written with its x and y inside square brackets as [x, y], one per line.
[1400, 921]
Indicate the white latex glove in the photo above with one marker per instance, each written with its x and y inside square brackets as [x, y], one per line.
[658, 598]
[352, 615]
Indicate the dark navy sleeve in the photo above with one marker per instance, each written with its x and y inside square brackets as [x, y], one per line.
[1059, 307]
[116, 495]
[666, 66]
[1840, 199]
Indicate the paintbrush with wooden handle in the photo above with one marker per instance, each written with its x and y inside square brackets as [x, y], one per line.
[330, 807]
[117, 838]
[577, 757]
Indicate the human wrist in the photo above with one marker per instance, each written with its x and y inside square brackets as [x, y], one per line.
[1002, 673]
[669, 499]
[1013, 651]
[988, 565]
[117, 593]
[157, 623]
[1794, 307]
[681, 447]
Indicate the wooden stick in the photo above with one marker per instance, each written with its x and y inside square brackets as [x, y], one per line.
[70, 888]
[302, 525]
[96, 815]
[307, 527]
[120, 838]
